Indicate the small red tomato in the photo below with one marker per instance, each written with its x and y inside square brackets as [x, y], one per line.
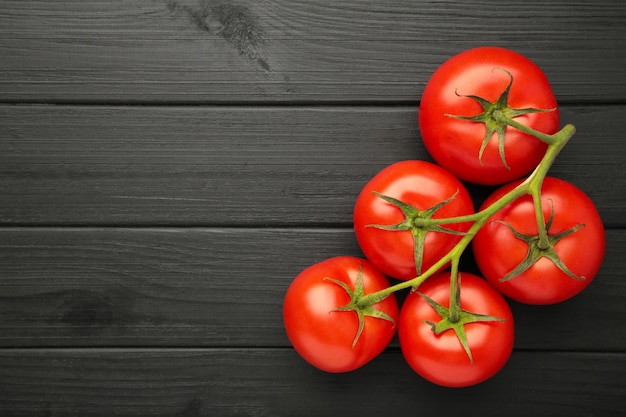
[472, 149]
[576, 236]
[441, 358]
[424, 187]
[326, 336]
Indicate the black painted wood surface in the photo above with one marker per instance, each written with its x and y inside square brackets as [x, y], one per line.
[167, 167]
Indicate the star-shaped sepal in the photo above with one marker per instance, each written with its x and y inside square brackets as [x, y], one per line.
[418, 222]
[455, 318]
[361, 311]
[537, 249]
[494, 117]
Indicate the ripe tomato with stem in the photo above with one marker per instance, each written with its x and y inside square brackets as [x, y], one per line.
[537, 263]
[325, 320]
[463, 107]
[459, 344]
[393, 217]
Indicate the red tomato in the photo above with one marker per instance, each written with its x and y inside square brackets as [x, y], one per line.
[320, 333]
[498, 251]
[485, 72]
[422, 185]
[441, 359]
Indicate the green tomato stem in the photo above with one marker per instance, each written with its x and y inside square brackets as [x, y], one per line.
[543, 243]
[502, 118]
[532, 186]
[454, 308]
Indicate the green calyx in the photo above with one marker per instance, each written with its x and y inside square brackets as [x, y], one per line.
[496, 117]
[418, 222]
[541, 246]
[455, 318]
[356, 304]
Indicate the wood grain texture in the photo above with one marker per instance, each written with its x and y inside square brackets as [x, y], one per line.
[242, 166]
[168, 166]
[224, 287]
[215, 51]
[270, 382]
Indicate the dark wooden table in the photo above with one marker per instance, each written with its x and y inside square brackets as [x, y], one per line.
[168, 166]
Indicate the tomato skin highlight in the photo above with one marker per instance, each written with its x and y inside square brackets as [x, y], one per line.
[498, 251]
[421, 184]
[455, 144]
[441, 358]
[324, 337]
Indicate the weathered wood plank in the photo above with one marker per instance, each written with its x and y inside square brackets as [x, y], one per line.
[224, 287]
[86, 165]
[215, 51]
[138, 274]
[268, 382]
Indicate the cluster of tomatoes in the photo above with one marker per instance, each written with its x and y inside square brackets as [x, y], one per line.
[414, 218]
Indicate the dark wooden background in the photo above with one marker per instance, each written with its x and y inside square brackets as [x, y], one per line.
[168, 166]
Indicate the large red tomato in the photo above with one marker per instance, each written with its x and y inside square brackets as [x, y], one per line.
[326, 336]
[440, 358]
[456, 144]
[576, 235]
[422, 186]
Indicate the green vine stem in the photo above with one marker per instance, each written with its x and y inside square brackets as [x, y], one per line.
[532, 185]
[454, 289]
